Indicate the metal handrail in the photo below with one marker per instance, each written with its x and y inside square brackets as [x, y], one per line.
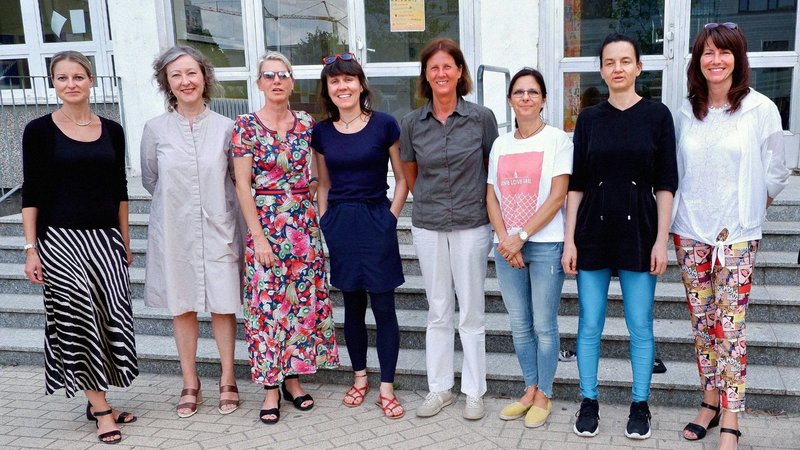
[483, 68]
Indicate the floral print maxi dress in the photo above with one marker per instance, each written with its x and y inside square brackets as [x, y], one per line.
[288, 315]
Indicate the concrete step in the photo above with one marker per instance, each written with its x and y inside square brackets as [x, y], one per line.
[772, 267]
[775, 303]
[11, 250]
[768, 343]
[769, 387]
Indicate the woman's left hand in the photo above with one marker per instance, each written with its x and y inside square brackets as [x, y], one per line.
[510, 245]
[658, 258]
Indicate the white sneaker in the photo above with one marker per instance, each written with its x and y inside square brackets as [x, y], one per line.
[434, 402]
[474, 409]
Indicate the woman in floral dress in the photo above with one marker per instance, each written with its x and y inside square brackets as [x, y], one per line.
[288, 314]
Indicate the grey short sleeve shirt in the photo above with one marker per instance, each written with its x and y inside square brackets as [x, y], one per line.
[450, 190]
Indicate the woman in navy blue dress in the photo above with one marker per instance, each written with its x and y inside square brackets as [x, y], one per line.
[353, 148]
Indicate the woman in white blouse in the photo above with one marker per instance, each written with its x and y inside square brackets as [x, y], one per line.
[194, 246]
[730, 166]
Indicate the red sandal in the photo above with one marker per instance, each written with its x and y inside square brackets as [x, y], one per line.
[357, 395]
[390, 407]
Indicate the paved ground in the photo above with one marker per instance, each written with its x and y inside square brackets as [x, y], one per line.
[29, 419]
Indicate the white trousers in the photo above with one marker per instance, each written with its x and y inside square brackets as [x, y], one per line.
[453, 263]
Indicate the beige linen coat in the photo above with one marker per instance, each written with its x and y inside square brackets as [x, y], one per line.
[194, 242]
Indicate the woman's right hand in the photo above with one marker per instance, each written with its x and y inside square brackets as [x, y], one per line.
[264, 255]
[569, 259]
[33, 267]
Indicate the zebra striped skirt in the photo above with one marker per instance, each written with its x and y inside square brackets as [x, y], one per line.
[89, 341]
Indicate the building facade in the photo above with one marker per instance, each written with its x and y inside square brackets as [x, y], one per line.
[560, 37]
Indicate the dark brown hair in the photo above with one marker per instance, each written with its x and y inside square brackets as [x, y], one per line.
[450, 47]
[341, 67]
[727, 39]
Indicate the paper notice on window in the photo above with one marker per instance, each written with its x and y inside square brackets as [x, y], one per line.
[406, 15]
[57, 22]
[77, 21]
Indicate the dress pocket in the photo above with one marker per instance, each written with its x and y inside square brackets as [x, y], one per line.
[220, 241]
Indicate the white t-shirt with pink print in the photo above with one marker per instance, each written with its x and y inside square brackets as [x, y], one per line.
[521, 171]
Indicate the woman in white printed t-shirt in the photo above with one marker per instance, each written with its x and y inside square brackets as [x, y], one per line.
[529, 173]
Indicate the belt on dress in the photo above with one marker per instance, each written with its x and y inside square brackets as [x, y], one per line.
[302, 190]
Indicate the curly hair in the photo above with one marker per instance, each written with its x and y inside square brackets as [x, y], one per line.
[170, 55]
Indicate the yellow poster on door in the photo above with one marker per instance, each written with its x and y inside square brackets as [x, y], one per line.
[406, 15]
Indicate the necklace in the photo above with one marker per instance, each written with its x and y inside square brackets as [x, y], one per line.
[522, 136]
[348, 122]
[80, 124]
[720, 108]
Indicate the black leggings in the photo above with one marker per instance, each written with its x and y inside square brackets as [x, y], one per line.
[388, 332]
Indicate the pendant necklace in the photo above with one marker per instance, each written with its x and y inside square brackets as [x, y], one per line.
[720, 108]
[347, 123]
[522, 136]
[83, 124]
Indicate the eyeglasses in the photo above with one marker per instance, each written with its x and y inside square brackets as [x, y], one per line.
[343, 56]
[270, 75]
[520, 93]
[728, 25]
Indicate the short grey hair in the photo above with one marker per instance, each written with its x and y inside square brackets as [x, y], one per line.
[171, 54]
[273, 56]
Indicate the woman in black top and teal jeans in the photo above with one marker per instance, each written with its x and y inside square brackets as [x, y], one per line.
[618, 212]
[75, 218]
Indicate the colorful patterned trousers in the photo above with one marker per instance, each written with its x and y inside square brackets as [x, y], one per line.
[717, 297]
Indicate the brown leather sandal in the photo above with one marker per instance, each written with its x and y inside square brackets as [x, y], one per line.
[191, 406]
[226, 402]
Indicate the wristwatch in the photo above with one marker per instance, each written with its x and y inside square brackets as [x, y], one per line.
[27, 247]
[523, 235]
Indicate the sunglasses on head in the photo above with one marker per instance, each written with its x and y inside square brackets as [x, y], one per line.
[343, 56]
[728, 25]
[270, 75]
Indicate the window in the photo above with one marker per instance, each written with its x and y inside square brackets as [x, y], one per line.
[214, 27]
[65, 20]
[11, 31]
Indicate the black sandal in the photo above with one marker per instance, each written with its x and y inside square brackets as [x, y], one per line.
[736, 433]
[698, 430]
[300, 399]
[116, 434]
[120, 418]
[272, 411]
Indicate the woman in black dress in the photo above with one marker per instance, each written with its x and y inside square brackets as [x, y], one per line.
[75, 218]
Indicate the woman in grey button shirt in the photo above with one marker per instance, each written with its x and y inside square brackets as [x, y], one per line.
[445, 147]
[194, 243]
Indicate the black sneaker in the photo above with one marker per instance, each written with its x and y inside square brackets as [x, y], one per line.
[567, 356]
[588, 422]
[658, 366]
[638, 421]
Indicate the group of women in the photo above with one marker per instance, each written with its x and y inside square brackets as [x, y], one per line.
[629, 176]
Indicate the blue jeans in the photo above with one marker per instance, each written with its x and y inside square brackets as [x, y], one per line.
[638, 293]
[532, 296]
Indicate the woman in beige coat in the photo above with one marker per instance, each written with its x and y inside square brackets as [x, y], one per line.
[194, 245]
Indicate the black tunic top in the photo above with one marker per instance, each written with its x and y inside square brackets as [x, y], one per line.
[621, 158]
[73, 184]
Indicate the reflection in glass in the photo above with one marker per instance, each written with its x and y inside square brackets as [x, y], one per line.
[768, 25]
[588, 22]
[306, 30]
[395, 95]
[230, 99]
[775, 83]
[12, 72]
[585, 89]
[11, 31]
[305, 98]
[383, 45]
[214, 27]
[65, 20]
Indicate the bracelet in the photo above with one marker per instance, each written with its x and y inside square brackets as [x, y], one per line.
[27, 247]
[313, 179]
